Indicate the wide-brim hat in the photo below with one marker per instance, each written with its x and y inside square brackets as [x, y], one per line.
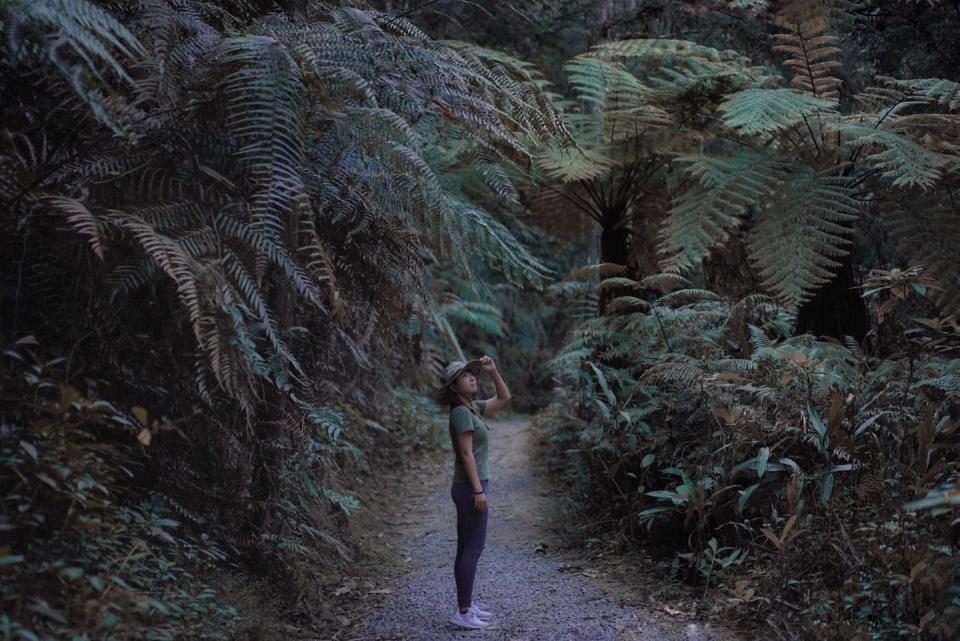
[453, 369]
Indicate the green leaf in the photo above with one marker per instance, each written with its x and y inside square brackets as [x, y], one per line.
[611, 399]
[762, 459]
[802, 232]
[826, 488]
[818, 425]
[745, 495]
[29, 449]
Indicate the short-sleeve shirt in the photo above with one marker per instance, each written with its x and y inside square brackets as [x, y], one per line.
[463, 420]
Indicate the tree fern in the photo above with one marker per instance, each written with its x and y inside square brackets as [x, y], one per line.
[705, 215]
[901, 160]
[810, 48]
[264, 100]
[801, 232]
[770, 111]
[330, 155]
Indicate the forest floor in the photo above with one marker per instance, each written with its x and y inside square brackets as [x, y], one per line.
[537, 588]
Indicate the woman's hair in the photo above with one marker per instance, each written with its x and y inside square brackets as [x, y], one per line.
[448, 397]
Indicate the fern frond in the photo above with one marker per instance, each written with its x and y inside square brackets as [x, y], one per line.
[601, 270]
[768, 111]
[627, 304]
[686, 296]
[706, 214]
[570, 164]
[928, 232]
[617, 282]
[600, 82]
[759, 341]
[665, 282]
[903, 161]
[82, 42]
[484, 316]
[809, 48]
[81, 219]
[681, 370]
[801, 233]
[943, 92]
[265, 94]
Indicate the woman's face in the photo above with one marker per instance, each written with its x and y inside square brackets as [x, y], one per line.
[466, 384]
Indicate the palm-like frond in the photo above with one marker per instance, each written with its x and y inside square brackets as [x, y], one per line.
[707, 213]
[801, 232]
[810, 50]
[674, 68]
[903, 161]
[770, 111]
[264, 100]
[331, 155]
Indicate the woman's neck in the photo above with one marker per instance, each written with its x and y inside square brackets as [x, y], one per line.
[468, 402]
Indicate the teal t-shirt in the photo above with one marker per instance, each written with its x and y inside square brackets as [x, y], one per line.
[462, 420]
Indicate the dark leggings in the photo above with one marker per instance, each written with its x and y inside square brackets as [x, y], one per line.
[471, 534]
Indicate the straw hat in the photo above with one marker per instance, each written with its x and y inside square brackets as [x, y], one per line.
[453, 369]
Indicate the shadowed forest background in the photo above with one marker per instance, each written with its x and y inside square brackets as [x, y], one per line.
[711, 245]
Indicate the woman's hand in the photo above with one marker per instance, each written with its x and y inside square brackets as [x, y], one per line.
[480, 502]
[487, 363]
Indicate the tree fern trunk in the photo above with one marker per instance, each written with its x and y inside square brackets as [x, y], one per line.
[837, 308]
[614, 248]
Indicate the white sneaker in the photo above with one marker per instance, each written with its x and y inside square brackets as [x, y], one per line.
[481, 614]
[467, 619]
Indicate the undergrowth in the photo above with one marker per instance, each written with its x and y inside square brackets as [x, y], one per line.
[807, 487]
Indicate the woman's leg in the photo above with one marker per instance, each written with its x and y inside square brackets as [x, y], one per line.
[471, 537]
[455, 492]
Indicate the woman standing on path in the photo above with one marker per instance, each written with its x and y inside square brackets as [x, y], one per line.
[471, 473]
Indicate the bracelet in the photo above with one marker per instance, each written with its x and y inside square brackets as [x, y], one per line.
[480, 492]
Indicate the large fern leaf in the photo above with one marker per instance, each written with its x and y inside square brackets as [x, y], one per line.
[905, 162]
[770, 111]
[802, 230]
[704, 215]
[810, 50]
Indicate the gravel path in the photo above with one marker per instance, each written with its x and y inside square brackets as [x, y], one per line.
[535, 593]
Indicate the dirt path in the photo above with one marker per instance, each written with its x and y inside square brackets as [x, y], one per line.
[535, 592]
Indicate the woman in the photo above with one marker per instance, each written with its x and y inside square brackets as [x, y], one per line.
[471, 473]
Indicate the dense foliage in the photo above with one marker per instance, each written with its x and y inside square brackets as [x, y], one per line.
[233, 239]
[807, 483]
[240, 238]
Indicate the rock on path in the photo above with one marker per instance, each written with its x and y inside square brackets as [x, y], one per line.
[534, 593]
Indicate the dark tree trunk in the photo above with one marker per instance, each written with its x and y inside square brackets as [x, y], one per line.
[614, 248]
[837, 309]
